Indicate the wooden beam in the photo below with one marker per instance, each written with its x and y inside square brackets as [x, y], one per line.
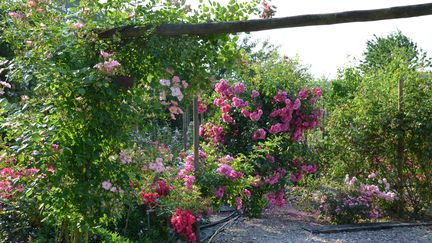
[206, 29]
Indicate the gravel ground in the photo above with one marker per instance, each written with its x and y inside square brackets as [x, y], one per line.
[285, 225]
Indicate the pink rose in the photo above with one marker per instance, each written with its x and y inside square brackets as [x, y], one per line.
[254, 94]
[78, 25]
[226, 108]
[297, 104]
[227, 118]
[245, 113]
[296, 177]
[281, 96]
[255, 116]
[259, 134]
[302, 95]
[318, 92]
[237, 102]
[221, 87]
[219, 102]
[239, 88]
[176, 79]
[276, 128]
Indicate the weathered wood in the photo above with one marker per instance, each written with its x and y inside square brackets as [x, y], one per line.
[214, 28]
[327, 229]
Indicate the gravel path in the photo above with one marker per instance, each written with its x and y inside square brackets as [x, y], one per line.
[284, 225]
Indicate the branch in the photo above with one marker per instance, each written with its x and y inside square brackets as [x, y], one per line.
[214, 28]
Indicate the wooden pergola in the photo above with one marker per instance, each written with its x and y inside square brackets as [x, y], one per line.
[214, 28]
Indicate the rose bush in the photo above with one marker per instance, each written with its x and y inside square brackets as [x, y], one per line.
[255, 139]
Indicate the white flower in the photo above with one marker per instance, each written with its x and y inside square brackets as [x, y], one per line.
[165, 82]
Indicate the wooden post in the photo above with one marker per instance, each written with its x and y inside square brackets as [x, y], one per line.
[400, 145]
[196, 125]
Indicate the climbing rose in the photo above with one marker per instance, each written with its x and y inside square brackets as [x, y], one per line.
[302, 95]
[165, 82]
[201, 107]
[185, 84]
[247, 193]
[105, 55]
[372, 175]
[227, 118]
[281, 96]
[106, 185]
[16, 15]
[245, 113]
[188, 182]
[256, 115]
[254, 94]
[182, 222]
[238, 203]
[296, 177]
[176, 79]
[239, 88]
[226, 108]
[318, 92]
[148, 198]
[309, 168]
[55, 147]
[219, 193]
[78, 25]
[259, 134]
[268, 9]
[108, 67]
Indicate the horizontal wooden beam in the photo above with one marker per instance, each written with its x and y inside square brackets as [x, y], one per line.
[206, 29]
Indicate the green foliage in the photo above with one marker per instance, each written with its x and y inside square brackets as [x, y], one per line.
[59, 97]
[365, 127]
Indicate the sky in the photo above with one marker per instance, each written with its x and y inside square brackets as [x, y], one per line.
[327, 48]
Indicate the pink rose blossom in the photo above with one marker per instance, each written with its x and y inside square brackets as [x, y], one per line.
[297, 104]
[78, 25]
[281, 96]
[105, 55]
[16, 15]
[176, 79]
[219, 102]
[237, 102]
[255, 116]
[254, 94]
[185, 84]
[226, 108]
[239, 88]
[259, 134]
[245, 113]
[227, 118]
[296, 177]
[247, 193]
[238, 202]
[276, 128]
[221, 87]
[219, 193]
[303, 94]
[318, 92]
